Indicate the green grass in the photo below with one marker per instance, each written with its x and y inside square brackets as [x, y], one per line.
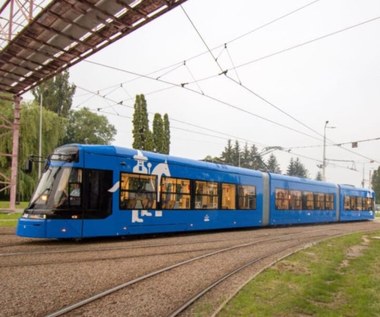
[21, 205]
[339, 277]
[9, 220]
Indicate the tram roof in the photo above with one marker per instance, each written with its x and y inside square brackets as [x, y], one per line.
[295, 179]
[127, 152]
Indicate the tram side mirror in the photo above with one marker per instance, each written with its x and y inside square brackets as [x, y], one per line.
[28, 166]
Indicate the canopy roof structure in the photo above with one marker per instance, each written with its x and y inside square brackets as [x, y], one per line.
[67, 31]
[41, 38]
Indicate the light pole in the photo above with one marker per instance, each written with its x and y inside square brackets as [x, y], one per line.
[40, 137]
[324, 151]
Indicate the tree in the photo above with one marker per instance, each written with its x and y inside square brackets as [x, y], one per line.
[166, 141]
[248, 157]
[319, 176]
[273, 165]
[158, 133]
[52, 133]
[212, 159]
[236, 154]
[245, 158]
[57, 94]
[161, 133]
[227, 153]
[376, 184]
[291, 170]
[84, 126]
[256, 159]
[296, 168]
[142, 137]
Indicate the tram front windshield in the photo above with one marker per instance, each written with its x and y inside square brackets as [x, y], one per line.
[59, 188]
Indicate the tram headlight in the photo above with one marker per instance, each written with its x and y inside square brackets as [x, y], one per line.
[32, 216]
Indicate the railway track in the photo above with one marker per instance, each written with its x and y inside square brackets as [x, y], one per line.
[188, 302]
[43, 257]
[186, 305]
[47, 247]
[160, 277]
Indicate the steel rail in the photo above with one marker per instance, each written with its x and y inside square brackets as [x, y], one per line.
[119, 287]
[100, 295]
[223, 278]
[105, 249]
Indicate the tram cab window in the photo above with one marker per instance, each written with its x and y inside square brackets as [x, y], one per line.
[68, 191]
[138, 191]
[228, 196]
[246, 197]
[74, 193]
[206, 195]
[175, 193]
[282, 199]
[368, 204]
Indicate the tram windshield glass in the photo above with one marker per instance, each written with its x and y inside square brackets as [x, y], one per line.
[59, 188]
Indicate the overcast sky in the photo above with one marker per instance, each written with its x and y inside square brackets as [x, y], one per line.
[292, 65]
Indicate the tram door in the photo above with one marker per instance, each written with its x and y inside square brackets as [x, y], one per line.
[97, 202]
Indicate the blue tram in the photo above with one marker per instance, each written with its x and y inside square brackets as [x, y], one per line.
[93, 190]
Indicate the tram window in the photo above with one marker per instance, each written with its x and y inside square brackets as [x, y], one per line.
[138, 191]
[368, 204]
[319, 201]
[347, 203]
[175, 193]
[206, 195]
[307, 201]
[359, 203]
[352, 203]
[282, 199]
[228, 196]
[295, 200]
[246, 197]
[329, 201]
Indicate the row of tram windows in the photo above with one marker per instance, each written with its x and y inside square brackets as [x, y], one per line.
[357, 203]
[139, 191]
[303, 200]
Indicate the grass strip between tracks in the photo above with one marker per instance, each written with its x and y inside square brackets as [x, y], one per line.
[339, 277]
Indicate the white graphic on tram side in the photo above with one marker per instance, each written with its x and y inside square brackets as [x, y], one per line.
[161, 169]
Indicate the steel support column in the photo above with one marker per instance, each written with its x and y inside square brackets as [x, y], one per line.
[14, 167]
